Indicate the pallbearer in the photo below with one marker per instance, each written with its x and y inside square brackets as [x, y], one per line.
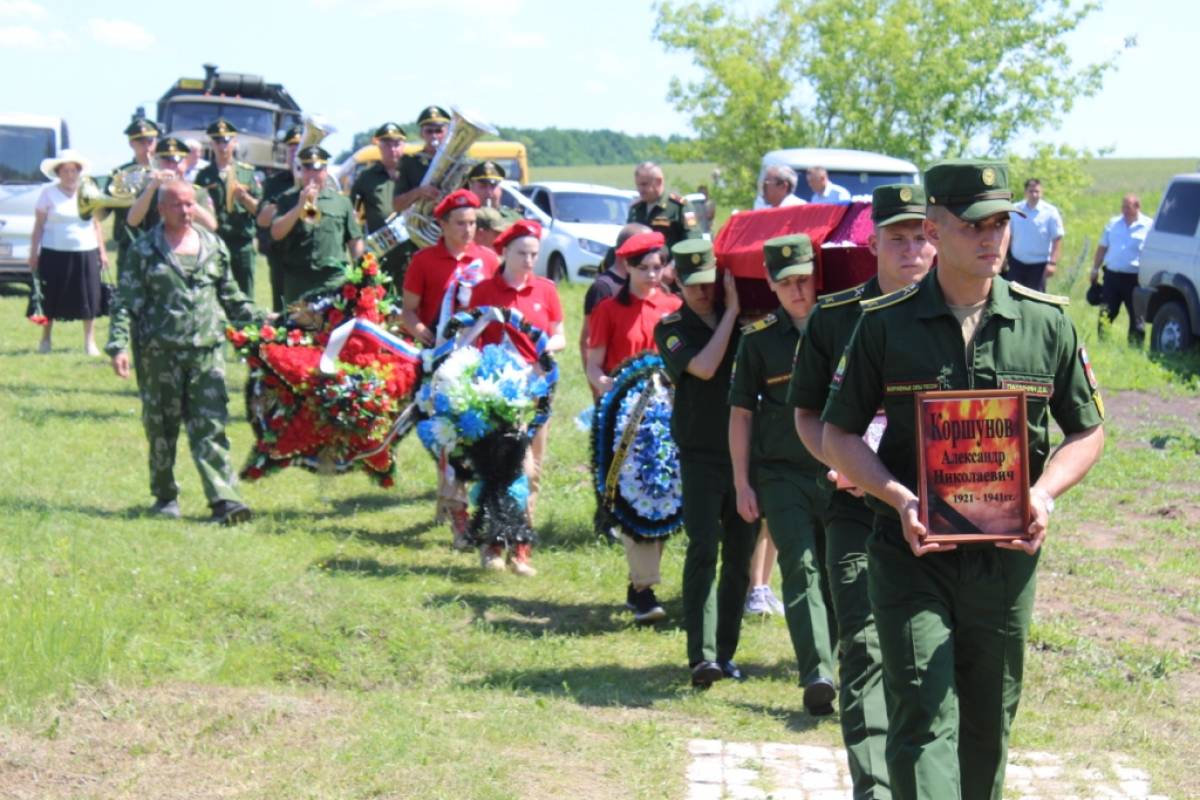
[235, 218]
[903, 255]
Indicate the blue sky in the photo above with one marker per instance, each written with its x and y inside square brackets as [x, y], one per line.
[527, 63]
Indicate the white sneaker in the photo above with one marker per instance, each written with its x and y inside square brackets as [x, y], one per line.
[773, 602]
[756, 602]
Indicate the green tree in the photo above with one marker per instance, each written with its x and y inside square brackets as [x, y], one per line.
[917, 79]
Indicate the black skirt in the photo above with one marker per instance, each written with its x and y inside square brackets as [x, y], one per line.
[70, 282]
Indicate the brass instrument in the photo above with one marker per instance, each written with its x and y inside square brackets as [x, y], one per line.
[310, 214]
[315, 130]
[123, 190]
[447, 172]
[229, 176]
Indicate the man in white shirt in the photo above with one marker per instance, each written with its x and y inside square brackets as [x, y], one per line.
[1036, 239]
[778, 188]
[1120, 253]
[823, 189]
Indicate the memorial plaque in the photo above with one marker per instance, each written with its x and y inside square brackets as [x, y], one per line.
[973, 473]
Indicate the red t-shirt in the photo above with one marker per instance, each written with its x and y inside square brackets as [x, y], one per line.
[536, 299]
[628, 330]
[430, 271]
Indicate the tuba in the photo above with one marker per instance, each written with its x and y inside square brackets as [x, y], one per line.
[447, 172]
[123, 189]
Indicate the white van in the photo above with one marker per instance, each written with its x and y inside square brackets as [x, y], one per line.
[859, 171]
[25, 139]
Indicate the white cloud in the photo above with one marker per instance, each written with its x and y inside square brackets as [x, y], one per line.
[21, 8]
[595, 87]
[120, 33]
[524, 39]
[29, 38]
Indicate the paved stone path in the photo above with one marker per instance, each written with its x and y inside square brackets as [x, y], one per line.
[774, 771]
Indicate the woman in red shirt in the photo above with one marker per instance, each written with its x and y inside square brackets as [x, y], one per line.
[515, 286]
[619, 327]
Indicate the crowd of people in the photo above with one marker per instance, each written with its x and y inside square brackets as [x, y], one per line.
[920, 644]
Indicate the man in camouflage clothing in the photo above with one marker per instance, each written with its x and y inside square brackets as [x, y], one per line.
[173, 299]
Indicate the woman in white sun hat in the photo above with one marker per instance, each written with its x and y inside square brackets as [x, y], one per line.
[66, 252]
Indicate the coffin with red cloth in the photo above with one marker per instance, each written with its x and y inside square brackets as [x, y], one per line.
[331, 388]
[839, 236]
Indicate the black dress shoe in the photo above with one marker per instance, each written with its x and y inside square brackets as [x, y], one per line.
[230, 512]
[731, 670]
[706, 673]
[818, 697]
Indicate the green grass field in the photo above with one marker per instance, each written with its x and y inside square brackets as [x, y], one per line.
[337, 648]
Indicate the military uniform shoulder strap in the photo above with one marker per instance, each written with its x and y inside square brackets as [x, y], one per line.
[672, 318]
[835, 299]
[676, 199]
[759, 325]
[892, 298]
[1033, 294]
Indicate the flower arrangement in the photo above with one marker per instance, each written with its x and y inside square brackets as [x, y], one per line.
[637, 476]
[346, 414]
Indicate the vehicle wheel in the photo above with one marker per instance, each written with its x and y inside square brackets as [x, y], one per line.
[557, 268]
[1171, 332]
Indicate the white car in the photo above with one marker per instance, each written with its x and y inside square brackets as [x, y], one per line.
[25, 139]
[581, 222]
[858, 171]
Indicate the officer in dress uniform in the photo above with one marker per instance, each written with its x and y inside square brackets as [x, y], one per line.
[236, 228]
[143, 136]
[374, 189]
[697, 344]
[903, 255]
[433, 123]
[666, 214]
[773, 473]
[493, 217]
[314, 246]
[953, 621]
[275, 185]
[170, 153]
[174, 299]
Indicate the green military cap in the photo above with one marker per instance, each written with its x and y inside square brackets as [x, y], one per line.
[970, 189]
[897, 202]
[293, 135]
[171, 147]
[788, 255]
[490, 219]
[694, 262]
[433, 115]
[221, 127]
[141, 129]
[486, 171]
[390, 130]
[314, 157]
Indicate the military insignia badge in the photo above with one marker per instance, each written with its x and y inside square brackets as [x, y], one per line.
[787, 251]
[697, 258]
[673, 343]
[1087, 369]
[988, 176]
[905, 195]
[839, 373]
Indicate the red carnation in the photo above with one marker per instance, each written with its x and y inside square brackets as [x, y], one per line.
[267, 332]
[349, 292]
[369, 267]
[294, 336]
[335, 317]
[387, 482]
[238, 338]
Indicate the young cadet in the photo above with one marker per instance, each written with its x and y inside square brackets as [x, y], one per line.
[772, 472]
[903, 255]
[697, 343]
[953, 621]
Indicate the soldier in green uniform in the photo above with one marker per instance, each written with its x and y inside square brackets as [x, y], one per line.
[669, 214]
[697, 344]
[374, 188]
[143, 214]
[315, 226]
[236, 228]
[774, 475]
[433, 123]
[173, 301]
[275, 185]
[143, 136]
[953, 620]
[903, 255]
[493, 217]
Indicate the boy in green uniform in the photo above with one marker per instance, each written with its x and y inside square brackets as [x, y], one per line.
[773, 472]
[697, 344]
[953, 620]
[143, 136]
[903, 255]
[236, 228]
[314, 251]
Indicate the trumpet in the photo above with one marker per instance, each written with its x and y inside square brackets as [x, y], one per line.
[310, 213]
[231, 186]
[123, 189]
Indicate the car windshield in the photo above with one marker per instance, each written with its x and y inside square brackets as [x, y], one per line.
[857, 183]
[21, 152]
[601, 208]
[198, 116]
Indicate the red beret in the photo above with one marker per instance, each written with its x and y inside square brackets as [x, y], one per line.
[641, 243]
[522, 227]
[460, 198]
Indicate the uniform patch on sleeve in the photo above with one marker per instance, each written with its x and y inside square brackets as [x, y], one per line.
[1031, 388]
[673, 343]
[689, 219]
[911, 387]
[1087, 369]
[1099, 403]
[838, 374]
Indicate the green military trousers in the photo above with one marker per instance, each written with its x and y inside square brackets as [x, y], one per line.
[275, 275]
[712, 607]
[861, 704]
[186, 386]
[794, 508]
[241, 262]
[952, 633]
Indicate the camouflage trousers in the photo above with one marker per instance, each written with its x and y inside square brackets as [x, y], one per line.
[186, 386]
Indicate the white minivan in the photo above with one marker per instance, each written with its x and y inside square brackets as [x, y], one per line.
[25, 139]
[858, 171]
